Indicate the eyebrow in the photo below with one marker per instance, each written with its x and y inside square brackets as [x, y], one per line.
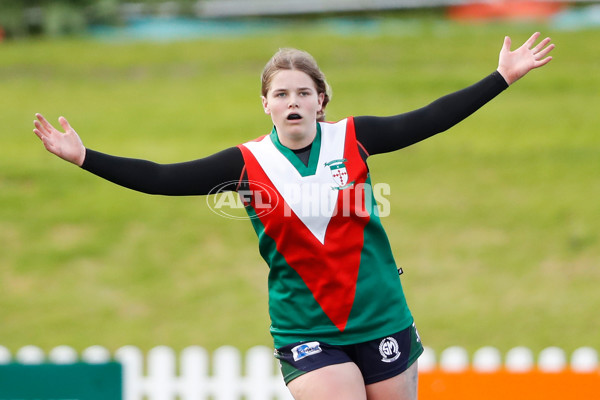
[299, 89]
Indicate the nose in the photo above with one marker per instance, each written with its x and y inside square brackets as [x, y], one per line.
[293, 101]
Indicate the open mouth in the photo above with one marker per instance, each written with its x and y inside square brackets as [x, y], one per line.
[293, 117]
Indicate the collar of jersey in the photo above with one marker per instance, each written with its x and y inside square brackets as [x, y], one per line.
[313, 160]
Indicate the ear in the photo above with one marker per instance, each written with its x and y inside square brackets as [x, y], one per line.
[321, 99]
[265, 104]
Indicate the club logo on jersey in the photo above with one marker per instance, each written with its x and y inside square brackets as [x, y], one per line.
[305, 350]
[339, 173]
[389, 350]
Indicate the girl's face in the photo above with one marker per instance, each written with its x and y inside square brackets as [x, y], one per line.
[293, 103]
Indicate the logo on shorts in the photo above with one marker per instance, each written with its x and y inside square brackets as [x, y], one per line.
[389, 350]
[305, 350]
[417, 333]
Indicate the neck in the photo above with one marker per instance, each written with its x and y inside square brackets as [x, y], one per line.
[296, 141]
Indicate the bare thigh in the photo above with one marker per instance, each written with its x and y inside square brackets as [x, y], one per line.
[400, 387]
[339, 381]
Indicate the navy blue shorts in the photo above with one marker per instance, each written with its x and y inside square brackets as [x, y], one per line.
[378, 359]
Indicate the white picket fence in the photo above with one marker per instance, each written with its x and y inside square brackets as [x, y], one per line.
[227, 374]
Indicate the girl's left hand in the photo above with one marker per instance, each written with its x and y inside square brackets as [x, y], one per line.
[513, 65]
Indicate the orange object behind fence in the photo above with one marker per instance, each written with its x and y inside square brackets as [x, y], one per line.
[532, 385]
[505, 9]
[519, 375]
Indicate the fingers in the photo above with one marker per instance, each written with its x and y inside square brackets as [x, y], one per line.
[542, 49]
[40, 130]
[540, 54]
[39, 134]
[541, 45]
[532, 40]
[507, 43]
[44, 130]
[44, 123]
[543, 62]
[65, 124]
[46, 139]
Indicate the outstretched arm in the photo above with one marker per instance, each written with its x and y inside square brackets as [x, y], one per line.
[513, 65]
[384, 134]
[197, 177]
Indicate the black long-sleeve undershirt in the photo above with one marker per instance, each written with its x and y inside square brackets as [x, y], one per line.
[195, 177]
[376, 134]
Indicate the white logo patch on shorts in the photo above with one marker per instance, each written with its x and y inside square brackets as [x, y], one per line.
[305, 350]
[389, 350]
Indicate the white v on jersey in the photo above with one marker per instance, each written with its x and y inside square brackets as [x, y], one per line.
[332, 274]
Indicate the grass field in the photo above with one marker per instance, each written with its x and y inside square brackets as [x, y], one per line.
[495, 223]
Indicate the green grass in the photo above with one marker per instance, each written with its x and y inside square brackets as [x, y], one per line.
[495, 223]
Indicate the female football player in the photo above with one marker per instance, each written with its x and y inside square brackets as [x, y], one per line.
[339, 318]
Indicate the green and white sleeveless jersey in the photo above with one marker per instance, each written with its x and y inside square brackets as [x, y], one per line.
[332, 274]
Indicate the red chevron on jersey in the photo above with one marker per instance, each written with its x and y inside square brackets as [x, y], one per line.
[319, 212]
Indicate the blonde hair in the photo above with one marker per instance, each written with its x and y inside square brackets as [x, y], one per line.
[294, 59]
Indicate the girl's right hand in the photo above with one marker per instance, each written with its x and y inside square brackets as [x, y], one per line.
[67, 145]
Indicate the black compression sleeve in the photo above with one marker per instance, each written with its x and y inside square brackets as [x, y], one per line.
[385, 134]
[196, 177]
